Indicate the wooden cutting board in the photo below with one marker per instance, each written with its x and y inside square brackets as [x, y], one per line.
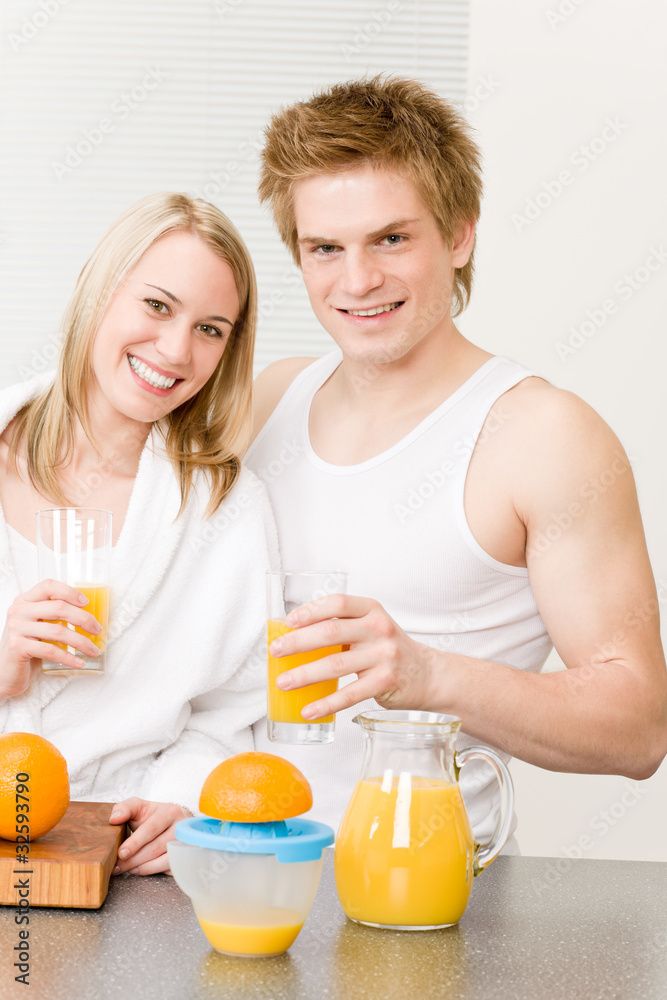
[69, 866]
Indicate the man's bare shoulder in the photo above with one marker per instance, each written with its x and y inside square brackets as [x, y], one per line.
[536, 409]
[552, 439]
[271, 385]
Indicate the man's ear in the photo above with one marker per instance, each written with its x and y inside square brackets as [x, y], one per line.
[463, 243]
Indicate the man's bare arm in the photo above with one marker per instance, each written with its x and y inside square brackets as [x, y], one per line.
[573, 489]
[563, 467]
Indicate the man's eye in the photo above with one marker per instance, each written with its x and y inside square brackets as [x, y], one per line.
[157, 305]
[326, 248]
[392, 240]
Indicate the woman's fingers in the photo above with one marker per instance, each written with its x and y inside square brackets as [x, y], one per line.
[152, 853]
[60, 610]
[153, 867]
[36, 649]
[52, 632]
[53, 601]
[48, 590]
[153, 824]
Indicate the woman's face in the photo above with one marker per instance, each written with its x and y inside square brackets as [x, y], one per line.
[163, 332]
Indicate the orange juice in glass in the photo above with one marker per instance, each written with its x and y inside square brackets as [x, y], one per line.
[285, 592]
[98, 607]
[74, 546]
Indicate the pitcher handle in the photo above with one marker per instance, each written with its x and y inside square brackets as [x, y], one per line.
[485, 853]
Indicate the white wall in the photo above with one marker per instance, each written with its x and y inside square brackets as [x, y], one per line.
[537, 93]
[550, 77]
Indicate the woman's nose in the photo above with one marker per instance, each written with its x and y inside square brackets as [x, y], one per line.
[174, 343]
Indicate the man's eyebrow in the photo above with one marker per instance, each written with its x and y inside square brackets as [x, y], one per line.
[170, 295]
[390, 227]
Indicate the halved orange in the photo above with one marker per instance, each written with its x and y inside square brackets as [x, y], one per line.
[255, 787]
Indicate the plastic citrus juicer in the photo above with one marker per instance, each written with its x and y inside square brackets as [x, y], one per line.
[252, 884]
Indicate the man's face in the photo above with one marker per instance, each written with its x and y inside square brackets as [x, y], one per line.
[376, 267]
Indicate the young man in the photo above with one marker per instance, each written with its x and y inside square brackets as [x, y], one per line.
[481, 513]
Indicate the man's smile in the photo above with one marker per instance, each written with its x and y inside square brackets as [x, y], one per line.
[374, 310]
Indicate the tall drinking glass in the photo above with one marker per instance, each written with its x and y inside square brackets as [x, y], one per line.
[285, 592]
[74, 547]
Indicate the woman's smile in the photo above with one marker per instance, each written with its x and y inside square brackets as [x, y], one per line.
[152, 377]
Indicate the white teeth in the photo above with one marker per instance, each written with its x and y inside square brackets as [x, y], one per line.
[373, 312]
[148, 375]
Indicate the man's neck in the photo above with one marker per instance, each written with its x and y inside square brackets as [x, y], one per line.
[366, 407]
[429, 373]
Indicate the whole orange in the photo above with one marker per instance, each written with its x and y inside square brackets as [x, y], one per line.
[255, 787]
[34, 786]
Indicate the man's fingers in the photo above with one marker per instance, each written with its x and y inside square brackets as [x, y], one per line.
[346, 697]
[335, 665]
[332, 632]
[332, 606]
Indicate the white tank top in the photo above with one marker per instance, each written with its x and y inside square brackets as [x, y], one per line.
[396, 524]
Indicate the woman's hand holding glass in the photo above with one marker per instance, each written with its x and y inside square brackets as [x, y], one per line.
[32, 628]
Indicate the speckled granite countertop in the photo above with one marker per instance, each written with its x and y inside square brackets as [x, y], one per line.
[534, 928]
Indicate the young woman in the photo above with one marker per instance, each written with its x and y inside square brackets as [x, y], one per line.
[145, 417]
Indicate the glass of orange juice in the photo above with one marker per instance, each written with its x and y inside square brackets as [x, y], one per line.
[286, 591]
[74, 546]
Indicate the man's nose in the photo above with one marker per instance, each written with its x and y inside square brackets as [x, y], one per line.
[362, 274]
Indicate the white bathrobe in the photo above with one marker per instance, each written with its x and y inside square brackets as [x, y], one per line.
[185, 666]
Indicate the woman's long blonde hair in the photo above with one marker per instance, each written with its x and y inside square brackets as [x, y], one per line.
[208, 431]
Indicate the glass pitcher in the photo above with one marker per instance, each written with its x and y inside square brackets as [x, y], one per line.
[405, 856]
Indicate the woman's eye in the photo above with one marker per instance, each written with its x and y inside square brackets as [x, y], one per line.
[158, 306]
[210, 331]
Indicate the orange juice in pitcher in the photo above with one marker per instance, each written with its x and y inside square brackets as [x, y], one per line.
[417, 851]
[405, 856]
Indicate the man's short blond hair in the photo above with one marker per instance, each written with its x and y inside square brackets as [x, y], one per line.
[387, 122]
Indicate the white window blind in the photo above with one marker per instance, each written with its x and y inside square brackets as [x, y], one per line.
[105, 102]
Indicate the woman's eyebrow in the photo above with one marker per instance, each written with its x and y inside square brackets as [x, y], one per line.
[164, 291]
[174, 298]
